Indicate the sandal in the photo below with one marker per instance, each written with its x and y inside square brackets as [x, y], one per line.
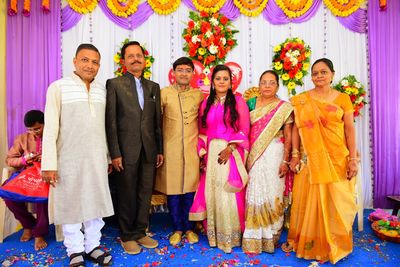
[286, 247]
[100, 259]
[80, 263]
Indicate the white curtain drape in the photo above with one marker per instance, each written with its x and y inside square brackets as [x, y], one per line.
[162, 37]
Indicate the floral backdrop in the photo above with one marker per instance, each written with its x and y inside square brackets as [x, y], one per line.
[130, 14]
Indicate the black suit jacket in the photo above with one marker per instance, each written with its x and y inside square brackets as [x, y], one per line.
[129, 128]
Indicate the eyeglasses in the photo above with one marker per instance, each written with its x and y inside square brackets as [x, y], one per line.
[268, 83]
[34, 130]
[323, 73]
[188, 71]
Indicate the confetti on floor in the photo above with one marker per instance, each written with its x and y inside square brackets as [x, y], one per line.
[368, 251]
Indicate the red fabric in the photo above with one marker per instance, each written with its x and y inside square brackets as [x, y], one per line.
[27, 186]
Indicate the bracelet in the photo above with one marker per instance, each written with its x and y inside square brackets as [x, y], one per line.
[294, 150]
[295, 155]
[232, 147]
[285, 162]
[356, 159]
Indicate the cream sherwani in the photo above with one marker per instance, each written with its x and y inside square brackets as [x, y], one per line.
[74, 144]
[180, 172]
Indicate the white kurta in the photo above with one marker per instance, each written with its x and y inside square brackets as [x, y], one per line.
[74, 144]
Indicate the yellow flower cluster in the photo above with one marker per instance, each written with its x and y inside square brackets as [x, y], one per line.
[123, 8]
[209, 6]
[343, 8]
[250, 8]
[351, 90]
[294, 9]
[164, 7]
[83, 6]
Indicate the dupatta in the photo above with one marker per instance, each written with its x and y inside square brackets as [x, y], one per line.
[265, 124]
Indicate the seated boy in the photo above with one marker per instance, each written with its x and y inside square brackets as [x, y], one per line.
[26, 149]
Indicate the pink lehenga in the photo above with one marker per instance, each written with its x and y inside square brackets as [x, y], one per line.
[265, 191]
[220, 198]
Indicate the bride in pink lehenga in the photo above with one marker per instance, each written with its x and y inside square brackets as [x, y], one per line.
[223, 145]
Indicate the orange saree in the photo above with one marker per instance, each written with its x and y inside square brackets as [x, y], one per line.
[323, 208]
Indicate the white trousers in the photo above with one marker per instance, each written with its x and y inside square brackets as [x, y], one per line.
[78, 239]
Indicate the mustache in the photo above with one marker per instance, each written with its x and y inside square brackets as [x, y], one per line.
[136, 62]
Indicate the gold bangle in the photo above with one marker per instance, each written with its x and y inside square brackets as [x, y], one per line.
[295, 155]
[356, 159]
[294, 150]
[285, 162]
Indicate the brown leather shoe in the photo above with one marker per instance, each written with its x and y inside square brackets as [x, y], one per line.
[147, 242]
[131, 247]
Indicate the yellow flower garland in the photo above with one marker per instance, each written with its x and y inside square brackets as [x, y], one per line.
[343, 8]
[83, 7]
[210, 6]
[250, 9]
[123, 10]
[27, 6]
[164, 7]
[294, 8]
[46, 5]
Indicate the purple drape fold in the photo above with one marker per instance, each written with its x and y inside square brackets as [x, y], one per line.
[230, 10]
[133, 21]
[33, 61]
[275, 15]
[383, 41]
[69, 18]
[356, 22]
[189, 4]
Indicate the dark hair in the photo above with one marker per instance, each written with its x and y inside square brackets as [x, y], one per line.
[88, 47]
[273, 73]
[32, 117]
[230, 100]
[125, 46]
[183, 61]
[327, 62]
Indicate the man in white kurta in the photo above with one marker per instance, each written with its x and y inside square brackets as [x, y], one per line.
[74, 159]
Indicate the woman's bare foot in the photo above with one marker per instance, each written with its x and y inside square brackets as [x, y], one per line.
[26, 235]
[286, 247]
[40, 243]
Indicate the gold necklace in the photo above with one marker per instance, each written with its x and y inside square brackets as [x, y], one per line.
[220, 100]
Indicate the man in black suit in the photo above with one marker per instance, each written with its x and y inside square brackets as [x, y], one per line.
[133, 118]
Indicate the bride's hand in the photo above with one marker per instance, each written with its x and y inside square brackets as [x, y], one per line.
[224, 155]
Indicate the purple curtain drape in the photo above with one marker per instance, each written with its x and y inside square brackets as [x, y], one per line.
[384, 58]
[33, 62]
[69, 18]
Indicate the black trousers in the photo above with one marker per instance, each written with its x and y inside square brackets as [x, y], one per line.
[134, 187]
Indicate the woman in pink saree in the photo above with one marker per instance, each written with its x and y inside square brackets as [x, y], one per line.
[270, 141]
[223, 145]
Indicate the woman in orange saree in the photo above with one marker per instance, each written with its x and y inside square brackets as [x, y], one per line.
[323, 208]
